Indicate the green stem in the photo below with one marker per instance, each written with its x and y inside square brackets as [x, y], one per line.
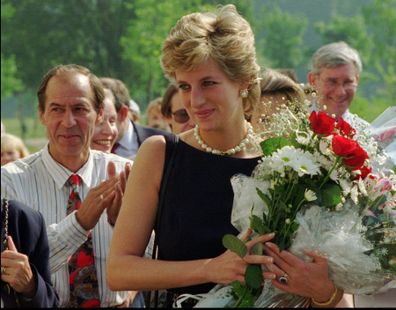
[239, 301]
[331, 170]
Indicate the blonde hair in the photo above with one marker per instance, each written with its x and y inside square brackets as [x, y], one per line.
[276, 84]
[9, 141]
[224, 36]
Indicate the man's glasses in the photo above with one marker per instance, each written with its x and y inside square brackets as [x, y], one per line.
[181, 116]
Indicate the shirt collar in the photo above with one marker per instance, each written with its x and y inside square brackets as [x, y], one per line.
[127, 139]
[61, 174]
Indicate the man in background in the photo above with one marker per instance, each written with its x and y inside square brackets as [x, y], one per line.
[334, 75]
[78, 190]
[134, 111]
[130, 134]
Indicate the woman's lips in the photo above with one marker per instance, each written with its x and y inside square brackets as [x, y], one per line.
[204, 114]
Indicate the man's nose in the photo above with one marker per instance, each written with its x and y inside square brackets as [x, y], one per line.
[68, 119]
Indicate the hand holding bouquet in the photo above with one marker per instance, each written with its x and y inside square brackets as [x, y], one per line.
[315, 188]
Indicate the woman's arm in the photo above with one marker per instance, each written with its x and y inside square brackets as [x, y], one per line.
[127, 269]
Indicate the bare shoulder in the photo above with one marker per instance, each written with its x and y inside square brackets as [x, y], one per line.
[151, 154]
[153, 145]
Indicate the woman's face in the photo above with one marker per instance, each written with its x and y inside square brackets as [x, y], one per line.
[9, 154]
[210, 97]
[106, 132]
[180, 120]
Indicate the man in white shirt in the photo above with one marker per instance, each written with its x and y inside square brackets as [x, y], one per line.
[70, 104]
[334, 75]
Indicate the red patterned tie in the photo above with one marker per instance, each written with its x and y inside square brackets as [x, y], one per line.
[83, 281]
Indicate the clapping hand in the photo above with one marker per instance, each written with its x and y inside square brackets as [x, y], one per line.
[114, 207]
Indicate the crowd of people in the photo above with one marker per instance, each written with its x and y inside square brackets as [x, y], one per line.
[86, 212]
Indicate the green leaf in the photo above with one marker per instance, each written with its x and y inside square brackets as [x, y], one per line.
[254, 276]
[263, 197]
[331, 195]
[272, 144]
[257, 225]
[234, 244]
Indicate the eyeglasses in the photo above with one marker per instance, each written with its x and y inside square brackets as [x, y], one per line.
[181, 116]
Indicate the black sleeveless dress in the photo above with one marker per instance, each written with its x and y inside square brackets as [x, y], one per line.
[197, 206]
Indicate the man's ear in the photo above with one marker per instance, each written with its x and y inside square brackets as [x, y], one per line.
[42, 118]
[123, 113]
[311, 77]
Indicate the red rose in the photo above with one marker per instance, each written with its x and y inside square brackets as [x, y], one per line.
[364, 172]
[345, 128]
[343, 146]
[356, 159]
[321, 123]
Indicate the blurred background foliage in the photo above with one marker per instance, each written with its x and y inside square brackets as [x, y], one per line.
[123, 39]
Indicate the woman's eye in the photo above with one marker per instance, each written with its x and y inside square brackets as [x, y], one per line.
[184, 87]
[208, 83]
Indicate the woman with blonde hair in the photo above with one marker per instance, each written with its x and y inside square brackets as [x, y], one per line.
[211, 58]
[12, 148]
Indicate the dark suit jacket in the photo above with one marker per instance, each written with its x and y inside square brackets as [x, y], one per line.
[143, 132]
[28, 231]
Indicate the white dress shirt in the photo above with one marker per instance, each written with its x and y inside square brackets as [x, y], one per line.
[128, 144]
[355, 121]
[40, 182]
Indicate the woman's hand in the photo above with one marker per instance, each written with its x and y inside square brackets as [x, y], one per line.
[229, 267]
[308, 279]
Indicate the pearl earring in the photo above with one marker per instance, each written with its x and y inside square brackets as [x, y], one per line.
[244, 93]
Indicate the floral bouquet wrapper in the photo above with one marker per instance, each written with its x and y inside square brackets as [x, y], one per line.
[383, 129]
[321, 186]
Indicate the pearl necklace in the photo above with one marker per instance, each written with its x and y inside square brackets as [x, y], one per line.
[240, 147]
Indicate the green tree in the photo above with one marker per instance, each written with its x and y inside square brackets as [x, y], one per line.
[280, 38]
[380, 17]
[10, 83]
[373, 34]
[143, 40]
[349, 29]
[45, 33]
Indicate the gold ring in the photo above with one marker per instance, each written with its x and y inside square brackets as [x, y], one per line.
[3, 270]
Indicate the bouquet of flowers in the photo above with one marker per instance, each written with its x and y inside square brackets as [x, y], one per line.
[315, 188]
